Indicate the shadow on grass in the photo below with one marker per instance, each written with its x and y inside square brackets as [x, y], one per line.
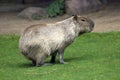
[26, 65]
[30, 65]
[77, 59]
[71, 59]
[80, 58]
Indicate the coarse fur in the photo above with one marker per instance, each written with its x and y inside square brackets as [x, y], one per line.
[42, 40]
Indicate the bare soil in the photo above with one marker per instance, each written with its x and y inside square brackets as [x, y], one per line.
[107, 19]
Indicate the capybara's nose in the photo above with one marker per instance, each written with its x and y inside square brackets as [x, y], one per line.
[92, 25]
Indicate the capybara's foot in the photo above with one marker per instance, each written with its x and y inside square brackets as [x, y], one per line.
[63, 62]
[34, 63]
[52, 60]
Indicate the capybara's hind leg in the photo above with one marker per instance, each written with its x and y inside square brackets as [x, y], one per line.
[40, 60]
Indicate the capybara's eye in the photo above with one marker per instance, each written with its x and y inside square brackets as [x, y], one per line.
[83, 20]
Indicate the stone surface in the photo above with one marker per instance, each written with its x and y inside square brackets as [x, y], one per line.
[30, 11]
[82, 6]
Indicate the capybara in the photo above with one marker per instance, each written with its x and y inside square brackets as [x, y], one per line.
[42, 40]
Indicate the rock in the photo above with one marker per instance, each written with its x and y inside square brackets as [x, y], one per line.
[29, 12]
[82, 6]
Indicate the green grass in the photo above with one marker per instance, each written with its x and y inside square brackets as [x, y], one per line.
[94, 56]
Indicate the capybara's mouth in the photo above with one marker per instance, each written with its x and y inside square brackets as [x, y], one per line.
[92, 25]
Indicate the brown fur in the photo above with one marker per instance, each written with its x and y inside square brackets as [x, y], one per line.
[42, 40]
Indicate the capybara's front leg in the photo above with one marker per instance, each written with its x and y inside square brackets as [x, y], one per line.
[34, 62]
[53, 57]
[61, 53]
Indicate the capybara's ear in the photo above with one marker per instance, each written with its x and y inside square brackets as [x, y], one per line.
[75, 17]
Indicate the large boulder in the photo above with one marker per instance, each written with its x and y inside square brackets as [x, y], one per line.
[29, 12]
[82, 6]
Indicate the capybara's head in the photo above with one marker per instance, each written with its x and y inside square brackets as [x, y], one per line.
[84, 24]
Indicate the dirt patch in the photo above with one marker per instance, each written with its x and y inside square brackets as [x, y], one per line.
[108, 19]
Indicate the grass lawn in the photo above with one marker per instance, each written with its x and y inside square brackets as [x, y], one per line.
[94, 56]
